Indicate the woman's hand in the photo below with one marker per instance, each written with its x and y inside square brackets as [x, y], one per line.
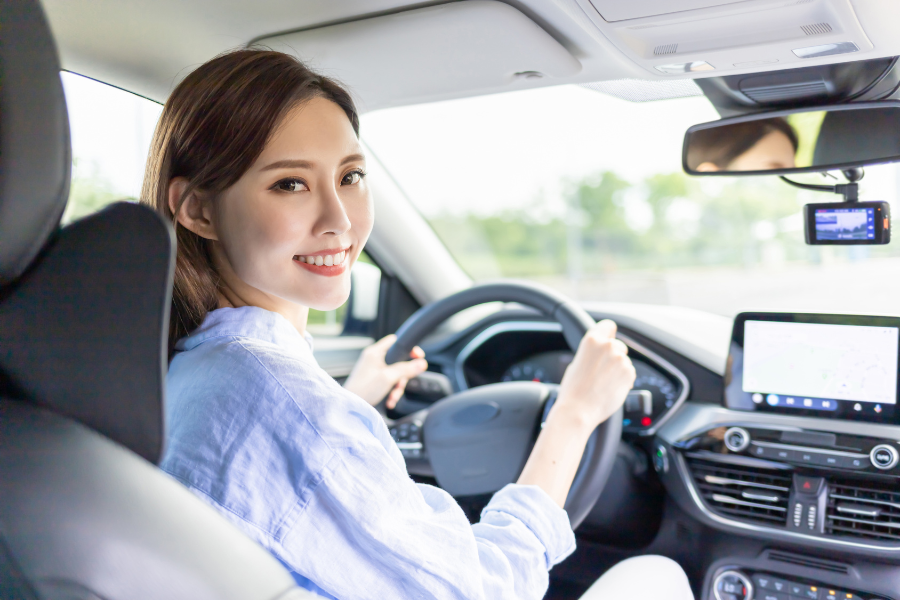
[372, 379]
[593, 388]
[597, 381]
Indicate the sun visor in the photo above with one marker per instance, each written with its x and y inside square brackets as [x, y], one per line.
[430, 53]
[691, 38]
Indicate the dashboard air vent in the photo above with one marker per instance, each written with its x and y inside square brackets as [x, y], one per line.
[867, 510]
[746, 493]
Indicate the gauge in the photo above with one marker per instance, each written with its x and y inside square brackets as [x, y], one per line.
[546, 367]
[656, 383]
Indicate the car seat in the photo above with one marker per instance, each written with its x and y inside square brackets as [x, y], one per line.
[84, 512]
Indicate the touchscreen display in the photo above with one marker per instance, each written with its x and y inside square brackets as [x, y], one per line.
[822, 365]
[845, 224]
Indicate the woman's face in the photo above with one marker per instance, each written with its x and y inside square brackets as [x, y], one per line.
[295, 223]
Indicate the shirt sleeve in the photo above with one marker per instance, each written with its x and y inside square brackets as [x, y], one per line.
[369, 527]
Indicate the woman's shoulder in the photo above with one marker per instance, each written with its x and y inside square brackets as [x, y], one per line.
[254, 365]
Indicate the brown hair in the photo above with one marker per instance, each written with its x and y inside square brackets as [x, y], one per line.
[722, 145]
[212, 129]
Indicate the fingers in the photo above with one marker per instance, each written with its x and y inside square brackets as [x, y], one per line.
[407, 369]
[604, 330]
[384, 344]
[417, 353]
[396, 393]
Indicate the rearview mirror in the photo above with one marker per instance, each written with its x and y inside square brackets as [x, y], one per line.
[795, 141]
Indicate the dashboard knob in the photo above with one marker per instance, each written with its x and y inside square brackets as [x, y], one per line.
[884, 457]
[737, 439]
[732, 585]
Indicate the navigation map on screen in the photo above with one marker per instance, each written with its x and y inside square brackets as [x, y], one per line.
[845, 224]
[841, 362]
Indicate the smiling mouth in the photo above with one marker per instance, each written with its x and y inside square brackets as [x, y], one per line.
[323, 260]
[329, 263]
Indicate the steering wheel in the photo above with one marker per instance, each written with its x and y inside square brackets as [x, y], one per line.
[478, 440]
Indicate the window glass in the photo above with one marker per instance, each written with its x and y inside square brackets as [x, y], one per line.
[585, 192]
[111, 133]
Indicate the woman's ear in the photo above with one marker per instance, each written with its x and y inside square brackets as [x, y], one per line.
[195, 213]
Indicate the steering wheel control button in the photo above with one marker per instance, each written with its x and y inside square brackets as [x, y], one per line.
[737, 439]
[661, 460]
[884, 457]
[732, 585]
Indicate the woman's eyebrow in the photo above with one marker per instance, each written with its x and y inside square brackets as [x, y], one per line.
[305, 164]
[288, 164]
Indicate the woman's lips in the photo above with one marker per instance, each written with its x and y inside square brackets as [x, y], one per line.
[326, 263]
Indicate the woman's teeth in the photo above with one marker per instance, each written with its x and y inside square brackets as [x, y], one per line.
[328, 260]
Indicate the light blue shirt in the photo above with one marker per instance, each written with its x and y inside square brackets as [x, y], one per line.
[309, 470]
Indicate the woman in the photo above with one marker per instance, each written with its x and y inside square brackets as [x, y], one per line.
[257, 161]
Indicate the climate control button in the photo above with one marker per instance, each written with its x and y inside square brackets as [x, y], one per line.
[884, 457]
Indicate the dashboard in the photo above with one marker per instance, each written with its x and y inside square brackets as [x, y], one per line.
[537, 351]
[784, 469]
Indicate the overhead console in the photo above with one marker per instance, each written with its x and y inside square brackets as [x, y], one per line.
[721, 36]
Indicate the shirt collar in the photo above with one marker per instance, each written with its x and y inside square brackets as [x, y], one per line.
[248, 322]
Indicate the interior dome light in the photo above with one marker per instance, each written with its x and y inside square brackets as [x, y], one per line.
[690, 67]
[826, 50]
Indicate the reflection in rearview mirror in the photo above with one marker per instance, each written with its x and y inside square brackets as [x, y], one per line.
[801, 140]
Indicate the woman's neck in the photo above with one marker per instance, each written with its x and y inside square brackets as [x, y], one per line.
[295, 314]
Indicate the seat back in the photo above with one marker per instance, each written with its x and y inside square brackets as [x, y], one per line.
[84, 512]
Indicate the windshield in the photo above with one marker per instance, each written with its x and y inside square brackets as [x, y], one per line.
[584, 192]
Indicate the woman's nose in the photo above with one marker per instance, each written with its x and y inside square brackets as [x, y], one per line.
[333, 218]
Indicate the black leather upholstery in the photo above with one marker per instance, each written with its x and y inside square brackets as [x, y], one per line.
[34, 145]
[83, 329]
[82, 353]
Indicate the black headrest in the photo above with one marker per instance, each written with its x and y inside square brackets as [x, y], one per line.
[83, 332]
[34, 137]
[848, 135]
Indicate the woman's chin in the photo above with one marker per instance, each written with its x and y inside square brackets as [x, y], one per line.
[325, 303]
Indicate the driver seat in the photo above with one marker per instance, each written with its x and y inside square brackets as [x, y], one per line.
[84, 512]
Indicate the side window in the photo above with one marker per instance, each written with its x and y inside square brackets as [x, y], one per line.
[111, 131]
[359, 315]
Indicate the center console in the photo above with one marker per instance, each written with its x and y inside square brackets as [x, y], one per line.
[804, 453]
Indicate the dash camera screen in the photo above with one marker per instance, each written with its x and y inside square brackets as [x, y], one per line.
[845, 223]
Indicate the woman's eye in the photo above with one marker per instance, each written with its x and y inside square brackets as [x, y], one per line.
[290, 185]
[352, 178]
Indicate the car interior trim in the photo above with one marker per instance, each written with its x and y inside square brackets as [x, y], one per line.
[493, 330]
[769, 532]
[693, 419]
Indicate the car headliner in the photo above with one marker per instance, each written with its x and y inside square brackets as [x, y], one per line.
[147, 47]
